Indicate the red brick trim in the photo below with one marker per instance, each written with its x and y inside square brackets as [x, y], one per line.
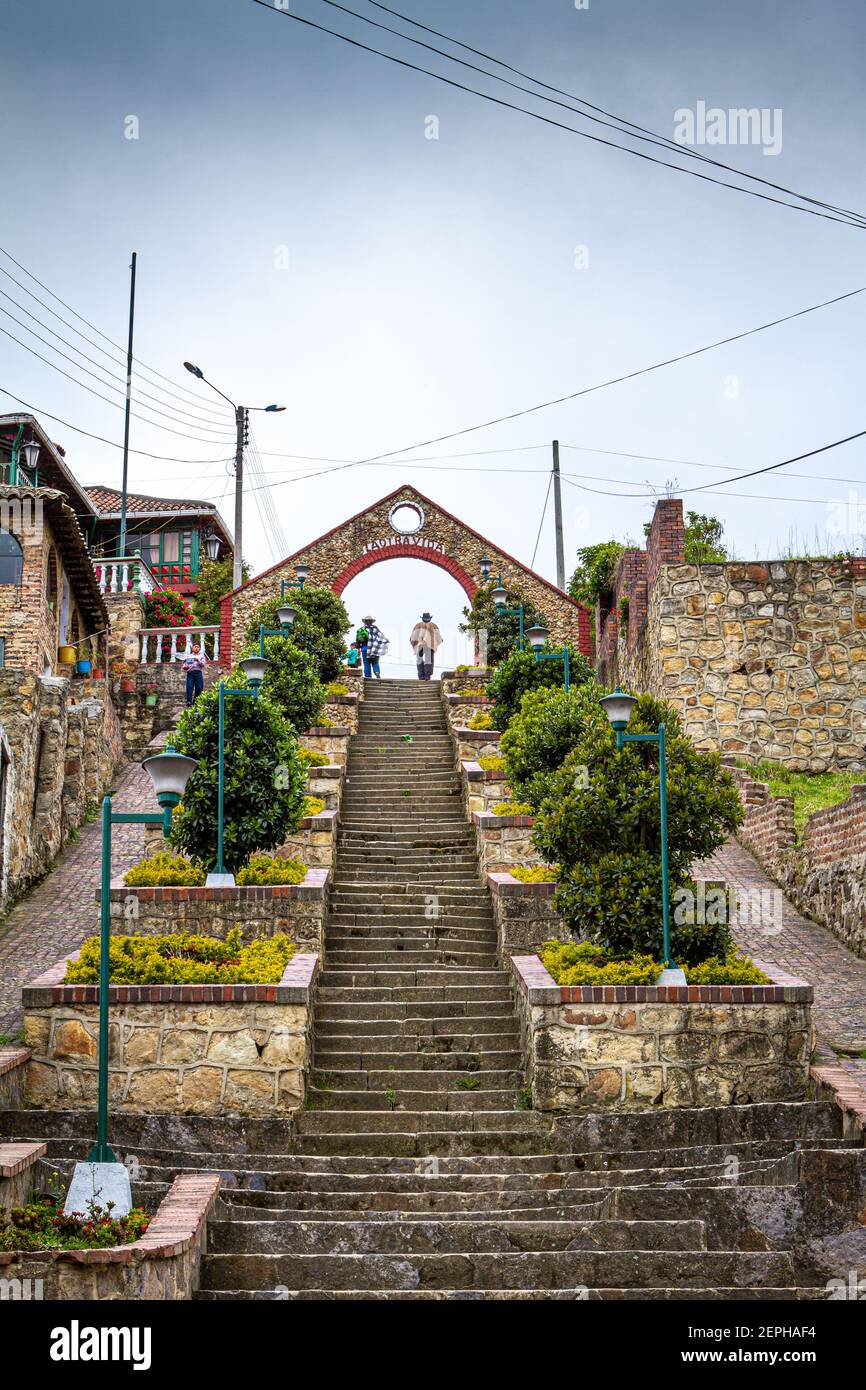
[406, 552]
[847, 1091]
[487, 820]
[12, 1057]
[294, 988]
[505, 885]
[17, 1158]
[311, 887]
[785, 989]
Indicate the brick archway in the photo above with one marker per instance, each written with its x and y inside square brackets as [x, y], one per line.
[406, 552]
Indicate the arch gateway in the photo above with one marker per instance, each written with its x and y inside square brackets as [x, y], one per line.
[404, 525]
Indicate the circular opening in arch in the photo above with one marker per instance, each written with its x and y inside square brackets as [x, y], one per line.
[406, 517]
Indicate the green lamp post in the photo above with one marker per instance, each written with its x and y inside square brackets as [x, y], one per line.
[254, 668]
[499, 594]
[286, 615]
[302, 574]
[101, 1177]
[537, 636]
[618, 707]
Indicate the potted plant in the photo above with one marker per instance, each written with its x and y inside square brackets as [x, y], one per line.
[126, 679]
[150, 696]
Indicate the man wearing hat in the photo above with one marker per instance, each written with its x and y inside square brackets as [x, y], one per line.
[425, 641]
[373, 644]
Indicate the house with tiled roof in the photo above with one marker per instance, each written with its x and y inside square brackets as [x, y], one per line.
[169, 534]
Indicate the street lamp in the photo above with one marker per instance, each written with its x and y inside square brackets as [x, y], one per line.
[286, 615]
[302, 574]
[537, 636]
[101, 1177]
[499, 594]
[212, 545]
[618, 707]
[486, 565]
[241, 413]
[31, 452]
[254, 668]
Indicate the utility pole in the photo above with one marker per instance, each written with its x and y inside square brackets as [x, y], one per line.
[241, 426]
[557, 518]
[122, 546]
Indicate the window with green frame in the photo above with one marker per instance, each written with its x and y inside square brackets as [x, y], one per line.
[172, 555]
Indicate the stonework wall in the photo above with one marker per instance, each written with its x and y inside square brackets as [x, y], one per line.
[824, 872]
[333, 742]
[525, 915]
[61, 747]
[174, 1049]
[602, 1047]
[482, 789]
[503, 841]
[761, 660]
[368, 538]
[30, 612]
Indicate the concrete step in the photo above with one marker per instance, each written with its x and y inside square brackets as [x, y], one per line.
[361, 957]
[341, 1082]
[355, 996]
[377, 1064]
[416, 1026]
[413, 978]
[411, 1122]
[559, 1295]
[394, 1094]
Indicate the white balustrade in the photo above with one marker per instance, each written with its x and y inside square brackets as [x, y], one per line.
[124, 575]
[160, 645]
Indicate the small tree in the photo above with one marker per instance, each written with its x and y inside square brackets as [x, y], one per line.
[519, 672]
[539, 738]
[702, 539]
[291, 681]
[593, 579]
[215, 579]
[600, 821]
[503, 629]
[324, 647]
[265, 780]
[323, 607]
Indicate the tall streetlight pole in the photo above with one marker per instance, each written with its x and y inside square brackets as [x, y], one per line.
[123, 489]
[241, 413]
[557, 519]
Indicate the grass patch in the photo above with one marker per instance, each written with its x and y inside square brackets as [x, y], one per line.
[812, 791]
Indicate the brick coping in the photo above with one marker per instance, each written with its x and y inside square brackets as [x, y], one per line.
[12, 1057]
[329, 731]
[325, 770]
[504, 884]
[539, 986]
[322, 820]
[351, 697]
[312, 887]
[457, 697]
[474, 772]
[487, 820]
[295, 987]
[467, 735]
[174, 1229]
[849, 1093]
[17, 1158]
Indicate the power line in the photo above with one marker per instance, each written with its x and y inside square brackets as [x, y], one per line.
[549, 120]
[541, 522]
[636, 132]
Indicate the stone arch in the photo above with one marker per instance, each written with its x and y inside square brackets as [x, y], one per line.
[406, 552]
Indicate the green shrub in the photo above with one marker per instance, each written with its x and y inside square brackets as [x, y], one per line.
[268, 869]
[582, 963]
[512, 808]
[732, 969]
[519, 673]
[312, 806]
[491, 763]
[183, 958]
[480, 694]
[336, 689]
[503, 629]
[539, 873]
[164, 870]
[548, 726]
[318, 628]
[482, 720]
[264, 778]
[592, 581]
[43, 1225]
[311, 758]
[291, 681]
[811, 791]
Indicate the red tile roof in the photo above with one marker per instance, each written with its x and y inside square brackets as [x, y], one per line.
[107, 499]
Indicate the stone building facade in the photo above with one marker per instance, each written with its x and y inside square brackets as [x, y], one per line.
[372, 536]
[762, 660]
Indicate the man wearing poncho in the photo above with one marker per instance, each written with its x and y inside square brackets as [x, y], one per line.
[426, 639]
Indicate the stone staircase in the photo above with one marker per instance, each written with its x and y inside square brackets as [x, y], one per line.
[415, 1172]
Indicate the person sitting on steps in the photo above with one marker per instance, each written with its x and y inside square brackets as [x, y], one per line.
[426, 639]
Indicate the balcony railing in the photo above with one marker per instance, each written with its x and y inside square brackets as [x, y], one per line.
[124, 575]
[167, 644]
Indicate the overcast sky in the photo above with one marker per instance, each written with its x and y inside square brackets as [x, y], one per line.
[302, 239]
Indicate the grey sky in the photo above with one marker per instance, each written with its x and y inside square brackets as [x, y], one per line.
[432, 284]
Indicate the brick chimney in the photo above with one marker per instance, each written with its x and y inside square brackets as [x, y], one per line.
[666, 542]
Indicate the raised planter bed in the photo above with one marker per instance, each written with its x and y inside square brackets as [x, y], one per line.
[525, 915]
[12, 1063]
[327, 782]
[174, 1049]
[637, 1047]
[460, 708]
[16, 1161]
[473, 744]
[343, 709]
[163, 1264]
[332, 740]
[314, 842]
[455, 681]
[296, 909]
[482, 787]
[504, 841]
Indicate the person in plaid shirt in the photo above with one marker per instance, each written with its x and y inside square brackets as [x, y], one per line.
[372, 647]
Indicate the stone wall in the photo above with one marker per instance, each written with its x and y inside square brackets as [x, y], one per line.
[503, 841]
[761, 660]
[174, 1049]
[369, 538]
[472, 744]
[525, 915]
[12, 1063]
[605, 1047]
[824, 872]
[164, 1264]
[333, 742]
[482, 788]
[60, 747]
[296, 909]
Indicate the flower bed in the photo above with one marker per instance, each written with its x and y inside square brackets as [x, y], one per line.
[178, 958]
[203, 1049]
[162, 1264]
[635, 1047]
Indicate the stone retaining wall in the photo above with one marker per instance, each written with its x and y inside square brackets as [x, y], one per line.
[296, 909]
[314, 842]
[163, 1264]
[16, 1161]
[453, 682]
[636, 1047]
[525, 915]
[332, 741]
[503, 841]
[824, 872]
[12, 1063]
[472, 744]
[482, 788]
[342, 710]
[327, 783]
[174, 1049]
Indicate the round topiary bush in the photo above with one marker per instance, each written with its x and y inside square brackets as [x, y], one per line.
[543, 733]
[519, 673]
[316, 629]
[600, 821]
[269, 869]
[265, 779]
[291, 681]
[503, 629]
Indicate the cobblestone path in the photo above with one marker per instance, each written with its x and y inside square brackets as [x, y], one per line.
[54, 916]
[803, 948]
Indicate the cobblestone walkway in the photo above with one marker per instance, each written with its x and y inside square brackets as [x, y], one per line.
[802, 947]
[53, 918]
